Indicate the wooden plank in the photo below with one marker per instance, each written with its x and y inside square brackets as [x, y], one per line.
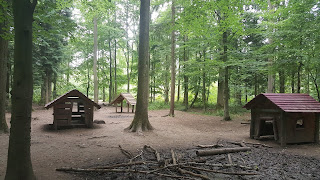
[316, 133]
[283, 138]
[252, 123]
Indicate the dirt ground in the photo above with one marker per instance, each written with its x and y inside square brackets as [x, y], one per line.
[84, 147]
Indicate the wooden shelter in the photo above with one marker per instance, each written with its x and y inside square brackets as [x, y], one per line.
[129, 99]
[289, 118]
[72, 109]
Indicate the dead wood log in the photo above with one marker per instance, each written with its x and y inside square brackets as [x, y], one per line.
[121, 165]
[220, 172]
[258, 144]
[220, 165]
[174, 161]
[182, 171]
[152, 150]
[210, 146]
[221, 151]
[126, 153]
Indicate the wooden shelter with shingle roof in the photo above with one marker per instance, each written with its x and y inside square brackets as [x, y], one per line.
[289, 118]
[72, 109]
[124, 96]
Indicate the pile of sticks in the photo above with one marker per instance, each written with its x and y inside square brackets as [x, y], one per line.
[173, 165]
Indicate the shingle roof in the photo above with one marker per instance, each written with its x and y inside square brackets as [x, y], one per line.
[288, 102]
[71, 93]
[127, 96]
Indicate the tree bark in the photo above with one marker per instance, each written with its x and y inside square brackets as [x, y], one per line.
[95, 50]
[140, 121]
[204, 99]
[220, 89]
[185, 77]
[110, 72]
[3, 69]
[166, 86]
[226, 92]
[282, 81]
[19, 164]
[270, 88]
[173, 62]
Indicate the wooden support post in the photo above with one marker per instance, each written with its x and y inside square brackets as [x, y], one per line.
[116, 107]
[128, 106]
[252, 123]
[132, 108]
[283, 124]
[121, 106]
[316, 133]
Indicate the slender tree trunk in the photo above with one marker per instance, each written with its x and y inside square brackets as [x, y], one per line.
[226, 92]
[54, 92]
[292, 82]
[95, 51]
[166, 88]
[282, 81]
[299, 78]
[270, 88]
[115, 69]
[88, 79]
[220, 88]
[185, 77]
[173, 62]
[196, 94]
[19, 164]
[140, 121]
[127, 39]
[110, 72]
[204, 99]
[179, 83]
[3, 70]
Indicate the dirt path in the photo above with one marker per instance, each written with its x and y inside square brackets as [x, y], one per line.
[84, 147]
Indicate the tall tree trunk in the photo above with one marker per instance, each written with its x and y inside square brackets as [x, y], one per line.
[110, 72]
[95, 51]
[3, 69]
[292, 82]
[140, 121]
[19, 164]
[204, 99]
[115, 69]
[282, 81]
[179, 83]
[54, 81]
[220, 88]
[226, 92]
[299, 77]
[88, 78]
[48, 80]
[196, 94]
[127, 39]
[270, 88]
[166, 86]
[173, 62]
[185, 77]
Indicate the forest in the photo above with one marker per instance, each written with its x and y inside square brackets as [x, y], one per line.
[240, 48]
[212, 55]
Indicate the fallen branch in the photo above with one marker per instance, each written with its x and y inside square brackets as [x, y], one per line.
[220, 172]
[182, 171]
[120, 165]
[210, 146]
[221, 151]
[150, 149]
[259, 144]
[120, 171]
[174, 161]
[220, 165]
[126, 153]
